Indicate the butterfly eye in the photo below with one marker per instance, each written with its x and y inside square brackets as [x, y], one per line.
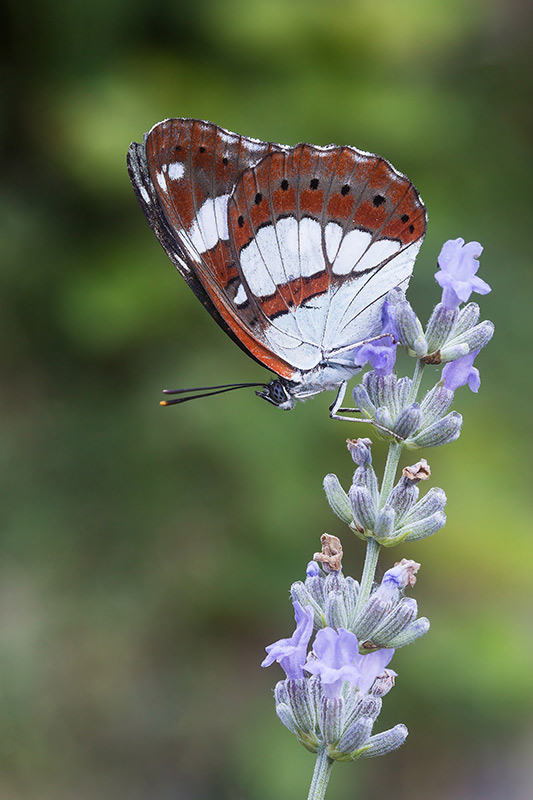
[276, 393]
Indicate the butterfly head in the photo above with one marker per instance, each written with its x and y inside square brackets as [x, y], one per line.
[277, 393]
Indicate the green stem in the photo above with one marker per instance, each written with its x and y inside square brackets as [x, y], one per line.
[322, 771]
[369, 570]
[389, 475]
[417, 378]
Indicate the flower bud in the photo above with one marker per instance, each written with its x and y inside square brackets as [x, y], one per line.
[350, 592]
[334, 582]
[384, 683]
[285, 715]
[300, 704]
[365, 476]
[314, 691]
[433, 501]
[355, 735]
[451, 352]
[338, 499]
[402, 574]
[383, 417]
[413, 631]
[360, 451]
[475, 338]
[385, 742]
[395, 297]
[401, 393]
[426, 527]
[403, 497]
[440, 326]
[410, 329]
[313, 570]
[362, 400]
[381, 388]
[467, 318]
[371, 615]
[435, 404]
[331, 719]
[280, 693]
[384, 525]
[441, 432]
[408, 421]
[395, 622]
[335, 611]
[308, 595]
[369, 705]
[362, 506]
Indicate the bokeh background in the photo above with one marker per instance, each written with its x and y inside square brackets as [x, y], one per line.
[146, 553]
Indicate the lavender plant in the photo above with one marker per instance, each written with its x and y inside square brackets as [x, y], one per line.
[336, 661]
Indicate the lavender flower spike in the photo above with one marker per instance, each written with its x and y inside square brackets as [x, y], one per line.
[336, 659]
[461, 372]
[291, 653]
[381, 354]
[457, 275]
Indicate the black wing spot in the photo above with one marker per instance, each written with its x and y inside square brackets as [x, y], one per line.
[411, 228]
[378, 200]
[258, 198]
[405, 218]
[313, 184]
[224, 160]
[284, 185]
[240, 221]
[346, 188]
[178, 148]
[202, 149]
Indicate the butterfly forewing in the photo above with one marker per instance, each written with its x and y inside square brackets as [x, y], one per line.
[193, 166]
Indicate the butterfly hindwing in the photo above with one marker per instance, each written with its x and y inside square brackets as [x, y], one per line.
[321, 235]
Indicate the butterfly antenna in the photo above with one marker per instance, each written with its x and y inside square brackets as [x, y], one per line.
[203, 391]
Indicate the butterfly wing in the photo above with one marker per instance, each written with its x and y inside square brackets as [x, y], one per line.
[292, 250]
[321, 235]
[183, 175]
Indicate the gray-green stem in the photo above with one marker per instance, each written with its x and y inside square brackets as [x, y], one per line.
[373, 547]
[389, 475]
[416, 380]
[322, 771]
[369, 571]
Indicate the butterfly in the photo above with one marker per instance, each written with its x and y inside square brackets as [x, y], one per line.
[292, 250]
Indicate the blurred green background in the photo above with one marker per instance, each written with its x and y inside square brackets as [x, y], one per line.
[146, 553]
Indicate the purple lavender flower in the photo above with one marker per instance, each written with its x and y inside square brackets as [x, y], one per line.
[336, 659]
[461, 372]
[457, 275]
[313, 570]
[291, 653]
[360, 451]
[381, 354]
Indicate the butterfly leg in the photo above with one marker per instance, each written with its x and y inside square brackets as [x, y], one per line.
[336, 412]
[335, 407]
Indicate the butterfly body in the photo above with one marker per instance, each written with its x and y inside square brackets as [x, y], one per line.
[291, 249]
